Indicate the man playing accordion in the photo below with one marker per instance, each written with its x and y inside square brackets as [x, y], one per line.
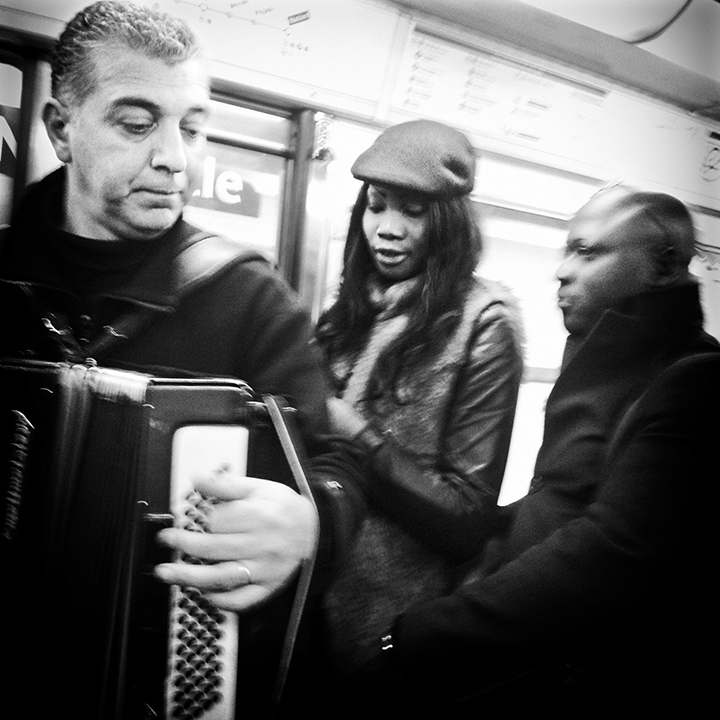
[99, 267]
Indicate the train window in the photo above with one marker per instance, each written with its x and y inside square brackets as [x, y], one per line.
[331, 198]
[10, 91]
[250, 125]
[542, 190]
[523, 209]
[523, 253]
[240, 196]
[706, 266]
[244, 174]
[26, 154]
[41, 158]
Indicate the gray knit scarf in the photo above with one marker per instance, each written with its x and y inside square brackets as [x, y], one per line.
[391, 320]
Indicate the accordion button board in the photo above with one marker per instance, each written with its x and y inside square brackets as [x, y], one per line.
[203, 640]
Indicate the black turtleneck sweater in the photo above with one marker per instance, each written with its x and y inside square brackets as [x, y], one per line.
[91, 270]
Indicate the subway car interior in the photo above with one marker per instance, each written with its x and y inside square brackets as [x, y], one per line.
[557, 97]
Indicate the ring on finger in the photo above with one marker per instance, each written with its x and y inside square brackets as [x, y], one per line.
[245, 576]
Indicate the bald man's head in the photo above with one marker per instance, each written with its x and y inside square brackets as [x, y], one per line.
[658, 220]
[620, 244]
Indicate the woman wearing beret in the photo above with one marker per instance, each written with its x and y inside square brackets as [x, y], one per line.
[426, 363]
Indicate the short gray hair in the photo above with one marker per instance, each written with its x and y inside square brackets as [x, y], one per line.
[105, 23]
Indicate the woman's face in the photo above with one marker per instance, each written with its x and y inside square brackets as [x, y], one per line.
[396, 225]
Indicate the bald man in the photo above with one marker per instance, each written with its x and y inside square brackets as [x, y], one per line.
[621, 244]
[594, 596]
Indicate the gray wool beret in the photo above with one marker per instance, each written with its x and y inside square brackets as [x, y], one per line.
[421, 155]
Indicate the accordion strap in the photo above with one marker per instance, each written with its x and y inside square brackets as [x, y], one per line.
[203, 257]
[289, 439]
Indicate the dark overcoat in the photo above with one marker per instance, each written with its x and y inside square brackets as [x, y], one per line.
[598, 595]
[154, 308]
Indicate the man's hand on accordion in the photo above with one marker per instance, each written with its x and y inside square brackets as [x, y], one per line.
[256, 535]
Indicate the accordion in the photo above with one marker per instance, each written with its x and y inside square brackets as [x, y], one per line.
[94, 462]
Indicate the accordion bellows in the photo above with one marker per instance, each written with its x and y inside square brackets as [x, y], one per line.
[94, 462]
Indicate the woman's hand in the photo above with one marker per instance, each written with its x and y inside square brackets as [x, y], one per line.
[344, 419]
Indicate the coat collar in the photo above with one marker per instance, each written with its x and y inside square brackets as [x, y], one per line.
[604, 375]
[628, 346]
[656, 322]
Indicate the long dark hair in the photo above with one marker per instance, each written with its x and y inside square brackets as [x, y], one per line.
[454, 247]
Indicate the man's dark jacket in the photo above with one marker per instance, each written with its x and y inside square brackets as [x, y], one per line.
[65, 297]
[601, 585]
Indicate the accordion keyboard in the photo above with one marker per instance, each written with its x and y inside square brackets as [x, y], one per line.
[203, 645]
